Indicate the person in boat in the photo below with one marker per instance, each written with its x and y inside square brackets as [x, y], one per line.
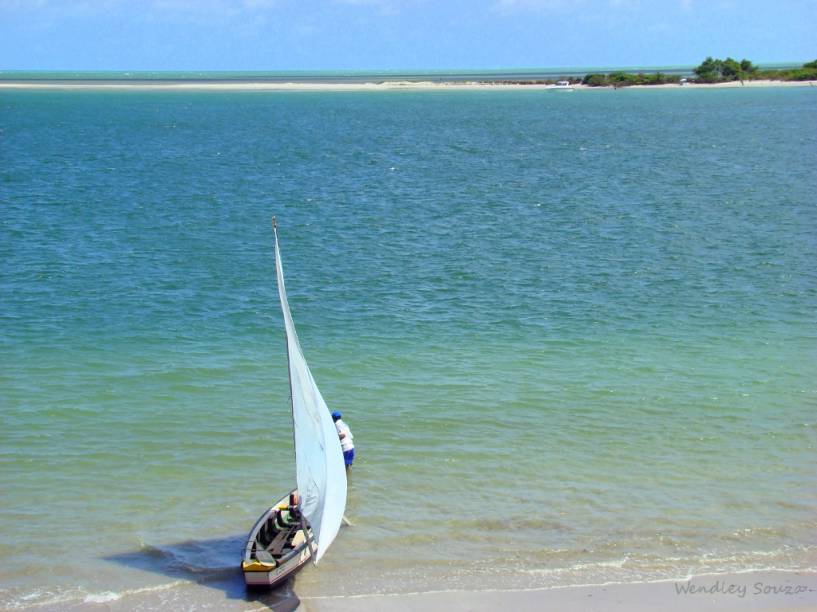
[346, 439]
[294, 509]
[291, 515]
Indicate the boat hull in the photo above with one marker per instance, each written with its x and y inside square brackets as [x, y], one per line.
[278, 575]
[278, 568]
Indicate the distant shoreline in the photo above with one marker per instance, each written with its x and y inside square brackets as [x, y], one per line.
[189, 85]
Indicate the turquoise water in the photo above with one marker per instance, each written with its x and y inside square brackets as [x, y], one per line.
[322, 76]
[574, 335]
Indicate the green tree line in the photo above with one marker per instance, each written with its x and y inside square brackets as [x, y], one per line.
[709, 71]
[623, 79]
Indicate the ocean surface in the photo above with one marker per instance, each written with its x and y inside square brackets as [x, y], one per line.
[301, 76]
[574, 335]
[315, 76]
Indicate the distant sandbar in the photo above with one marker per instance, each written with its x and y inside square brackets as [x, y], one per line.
[381, 86]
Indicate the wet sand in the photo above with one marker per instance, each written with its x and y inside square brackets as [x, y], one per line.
[768, 591]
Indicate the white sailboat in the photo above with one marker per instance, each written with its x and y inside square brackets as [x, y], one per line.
[303, 523]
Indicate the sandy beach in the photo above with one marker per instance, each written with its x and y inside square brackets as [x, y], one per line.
[381, 86]
[737, 592]
[755, 591]
[768, 591]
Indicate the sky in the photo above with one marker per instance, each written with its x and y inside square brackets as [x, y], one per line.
[276, 35]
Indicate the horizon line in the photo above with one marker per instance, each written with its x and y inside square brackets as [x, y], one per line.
[550, 69]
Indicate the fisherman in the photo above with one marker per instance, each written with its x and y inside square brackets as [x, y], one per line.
[294, 509]
[346, 439]
[285, 517]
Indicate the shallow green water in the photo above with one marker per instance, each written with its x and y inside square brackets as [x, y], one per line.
[574, 335]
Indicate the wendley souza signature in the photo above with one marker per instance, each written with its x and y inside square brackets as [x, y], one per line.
[721, 587]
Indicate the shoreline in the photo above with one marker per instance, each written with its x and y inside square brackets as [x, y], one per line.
[768, 590]
[382, 86]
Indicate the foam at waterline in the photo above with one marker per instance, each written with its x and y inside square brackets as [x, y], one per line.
[80, 595]
[102, 597]
[621, 569]
[709, 557]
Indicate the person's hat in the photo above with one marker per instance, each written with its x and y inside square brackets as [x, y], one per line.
[336, 415]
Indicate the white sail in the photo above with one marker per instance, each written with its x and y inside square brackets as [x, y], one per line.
[320, 468]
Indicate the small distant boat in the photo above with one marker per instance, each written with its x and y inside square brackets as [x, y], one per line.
[302, 524]
[563, 86]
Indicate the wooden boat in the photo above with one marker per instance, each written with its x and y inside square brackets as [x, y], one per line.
[277, 546]
[302, 524]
